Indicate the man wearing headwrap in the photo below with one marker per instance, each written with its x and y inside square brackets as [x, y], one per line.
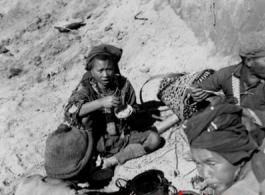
[225, 153]
[244, 80]
[92, 104]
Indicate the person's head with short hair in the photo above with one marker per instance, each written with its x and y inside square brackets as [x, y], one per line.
[68, 154]
[252, 53]
[103, 52]
[102, 69]
[221, 146]
[99, 57]
[102, 64]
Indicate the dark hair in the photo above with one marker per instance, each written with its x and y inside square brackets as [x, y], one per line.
[101, 57]
[244, 59]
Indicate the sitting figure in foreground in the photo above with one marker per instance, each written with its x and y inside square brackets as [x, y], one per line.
[226, 155]
[92, 105]
[68, 162]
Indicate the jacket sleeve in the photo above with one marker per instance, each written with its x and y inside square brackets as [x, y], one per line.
[81, 95]
[213, 82]
[130, 97]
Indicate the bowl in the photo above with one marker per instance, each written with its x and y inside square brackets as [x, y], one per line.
[123, 111]
[101, 178]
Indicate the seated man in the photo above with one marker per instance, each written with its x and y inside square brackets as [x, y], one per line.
[243, 83]
[68, 162]
[225, 154]
[92, 104]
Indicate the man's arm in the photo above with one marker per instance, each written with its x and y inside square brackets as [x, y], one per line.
[212, 83]
[106, 102]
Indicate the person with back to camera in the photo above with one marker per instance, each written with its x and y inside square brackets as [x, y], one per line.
[92, 104]
[68, 162]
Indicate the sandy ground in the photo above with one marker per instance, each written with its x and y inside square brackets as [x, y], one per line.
[52, 63]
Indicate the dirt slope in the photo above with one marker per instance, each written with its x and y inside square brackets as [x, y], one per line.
[49, 65]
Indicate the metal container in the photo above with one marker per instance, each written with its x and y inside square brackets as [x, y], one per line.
[148, 183]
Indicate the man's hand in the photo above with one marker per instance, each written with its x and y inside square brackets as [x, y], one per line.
[245, 112]
[110, 101]
[198, 94]
[248, 122]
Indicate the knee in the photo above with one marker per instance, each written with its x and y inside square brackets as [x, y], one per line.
[155, 137]
[153, 141]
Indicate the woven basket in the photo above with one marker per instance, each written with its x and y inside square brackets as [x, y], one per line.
[172, 92]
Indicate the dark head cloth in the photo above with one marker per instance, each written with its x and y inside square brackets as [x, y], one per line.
[219, 129]
[110, 50]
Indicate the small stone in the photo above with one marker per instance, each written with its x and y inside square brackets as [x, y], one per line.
[6, 41]
[53, 73]
[5, 183]
[144, 69]
[47, 16]
[121, 35]
[34, 25]
[109, 27]
[3, 49]
[78, 37]
[14, 72]
[23, 32]
[89, 16]
[37, 60]
[37, 20]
